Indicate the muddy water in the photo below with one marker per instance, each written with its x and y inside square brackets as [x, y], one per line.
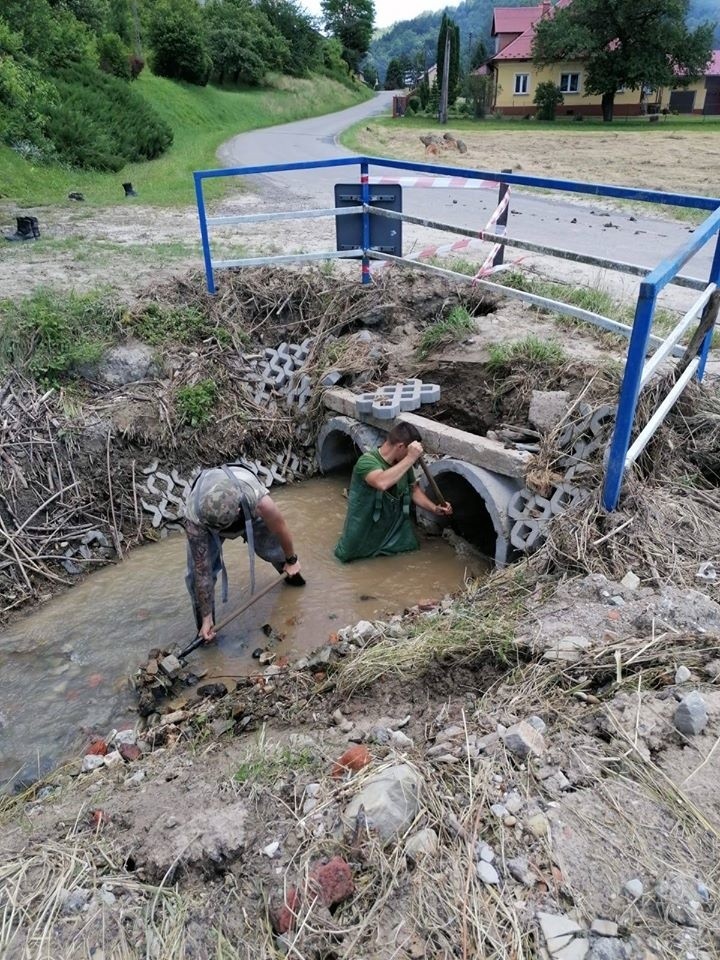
[65, 666]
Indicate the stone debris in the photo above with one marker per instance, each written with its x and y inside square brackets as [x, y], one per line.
[523, 739]
[422, 844]
[485, 852]
[519, 869]
[630, 581]
[691, 715]
[272, 849]
[564, 938]
[487, 873]
[604, 928]
[634, 888]
[682, 675]
[547, 408]
[390, 800]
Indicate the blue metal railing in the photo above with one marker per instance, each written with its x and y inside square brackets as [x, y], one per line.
[637, 372]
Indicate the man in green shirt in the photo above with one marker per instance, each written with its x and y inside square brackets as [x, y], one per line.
[382, 486]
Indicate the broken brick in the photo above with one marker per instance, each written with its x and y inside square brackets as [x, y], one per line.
[286, 916]
[354, 759]
[331, 882]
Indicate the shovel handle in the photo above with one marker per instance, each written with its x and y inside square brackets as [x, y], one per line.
[230, 617]
[433, 485]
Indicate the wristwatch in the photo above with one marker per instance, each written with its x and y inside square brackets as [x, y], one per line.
[291, 561]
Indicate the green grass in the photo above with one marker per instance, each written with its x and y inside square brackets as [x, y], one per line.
[531, 351]
[202, 118]
[267, 764]
[195, 402]
[456, 326]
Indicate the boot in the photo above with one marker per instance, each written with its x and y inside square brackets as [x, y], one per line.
[129, 192]
[24, 230]
[35, 227]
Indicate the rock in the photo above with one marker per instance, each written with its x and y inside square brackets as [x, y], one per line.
[609, 948]
[346, 726]
[363, 630]
[400, 739]
[538, 723]
[176, 716]
[634, 888]
[121, 365]
[106, 897]
[125, 736]
[129, 752]
[112, 759]
[513, 803]
[547, 408]
[285, 917]
[98, 748]
[523, 739]
[92, 761]
[170, 666]
[682, 674]
[487, 873]
[354, 759]
[136, 778]
[569, 648]
[519, 869]
[563, 937]
[272, 849]
[338, 717]
[219, 727]
[604, 928]
[630, 581]
[509, 821]
[422, 844]
[267, 656]
[691, 715]
[212, 691]
[450, 733]
[675, 900]
[331, 882]
[498, 810]
[391, 799]
[483, 851]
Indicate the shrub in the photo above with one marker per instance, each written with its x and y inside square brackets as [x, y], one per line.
[113, 56]
[547, 98]
[414, 103]
[195, 403]
[180, 49]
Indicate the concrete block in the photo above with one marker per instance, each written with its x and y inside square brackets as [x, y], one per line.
[540, 508]
[439, 439]
[518, 507]
[565, 496]
[547, 408]
[170, 666]
[526, 534]
[602, 420]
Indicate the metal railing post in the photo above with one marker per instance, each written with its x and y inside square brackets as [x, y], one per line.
[365, 198]
[204, 236]
[502, 219]
[707, 342]
[629, 392]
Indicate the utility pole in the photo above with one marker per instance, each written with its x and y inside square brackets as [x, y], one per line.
[443, 112]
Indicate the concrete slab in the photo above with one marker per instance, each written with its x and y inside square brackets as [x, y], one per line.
[440, 439]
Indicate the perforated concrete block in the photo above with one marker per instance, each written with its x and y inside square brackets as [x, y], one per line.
[388, 401]
[519, 504]
[565, 496]
[540, 508]
[525, 534]
[602, 419]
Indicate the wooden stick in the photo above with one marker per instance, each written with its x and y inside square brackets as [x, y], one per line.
[433, 485]
[223, 623]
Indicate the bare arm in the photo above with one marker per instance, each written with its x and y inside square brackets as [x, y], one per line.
[421, 499]
[276, 523]
[384, 479]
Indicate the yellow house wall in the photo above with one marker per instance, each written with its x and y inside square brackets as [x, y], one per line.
[506, 96]
[698, 87]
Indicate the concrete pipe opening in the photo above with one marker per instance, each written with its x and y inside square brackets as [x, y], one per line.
[480, 501]
[341, 441]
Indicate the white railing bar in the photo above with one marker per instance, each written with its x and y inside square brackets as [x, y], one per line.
[662, 411]
[290, 258]
[622, 267]
[597, 319]
[675, 334]
[283, 215]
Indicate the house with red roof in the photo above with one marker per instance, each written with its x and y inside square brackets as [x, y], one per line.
[516, 77]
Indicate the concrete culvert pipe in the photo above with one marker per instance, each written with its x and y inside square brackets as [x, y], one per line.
[341, 441]
[480, 501]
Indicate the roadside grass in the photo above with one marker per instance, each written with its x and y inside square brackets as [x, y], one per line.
[202, 118]
[447, 330]
[265, 764]
[531, 351]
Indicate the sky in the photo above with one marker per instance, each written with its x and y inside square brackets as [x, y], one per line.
[388, 12]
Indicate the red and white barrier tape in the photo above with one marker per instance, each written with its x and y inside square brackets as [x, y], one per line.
[448, 183]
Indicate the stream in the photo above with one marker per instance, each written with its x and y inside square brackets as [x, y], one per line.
[66, 664]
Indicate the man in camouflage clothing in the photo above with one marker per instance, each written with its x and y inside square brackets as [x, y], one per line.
[224, 503]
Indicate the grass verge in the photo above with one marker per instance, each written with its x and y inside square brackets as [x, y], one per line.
[454, 327]
[201, 118]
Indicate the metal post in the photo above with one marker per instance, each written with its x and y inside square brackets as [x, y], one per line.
[707, 342]
[365, 198]
[204, 236]
[502, 219]
[629, 395]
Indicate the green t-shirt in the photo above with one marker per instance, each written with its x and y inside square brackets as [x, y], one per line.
[377, 522]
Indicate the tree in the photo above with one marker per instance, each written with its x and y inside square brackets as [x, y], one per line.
[351, 21]
[394, 75]
[304, 41]
[478, 94]
[547, 98]
[177, 36]
[478, 55]
[626, 43]
[449, 26]
[370, 74]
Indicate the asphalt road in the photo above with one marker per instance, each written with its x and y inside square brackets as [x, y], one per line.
[569, 221]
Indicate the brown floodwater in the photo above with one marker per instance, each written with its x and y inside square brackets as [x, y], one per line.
[66, 665]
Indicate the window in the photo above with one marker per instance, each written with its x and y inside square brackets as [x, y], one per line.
[569, 82]
[522, 82]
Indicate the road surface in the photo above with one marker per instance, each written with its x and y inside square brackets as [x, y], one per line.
[570, 221]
